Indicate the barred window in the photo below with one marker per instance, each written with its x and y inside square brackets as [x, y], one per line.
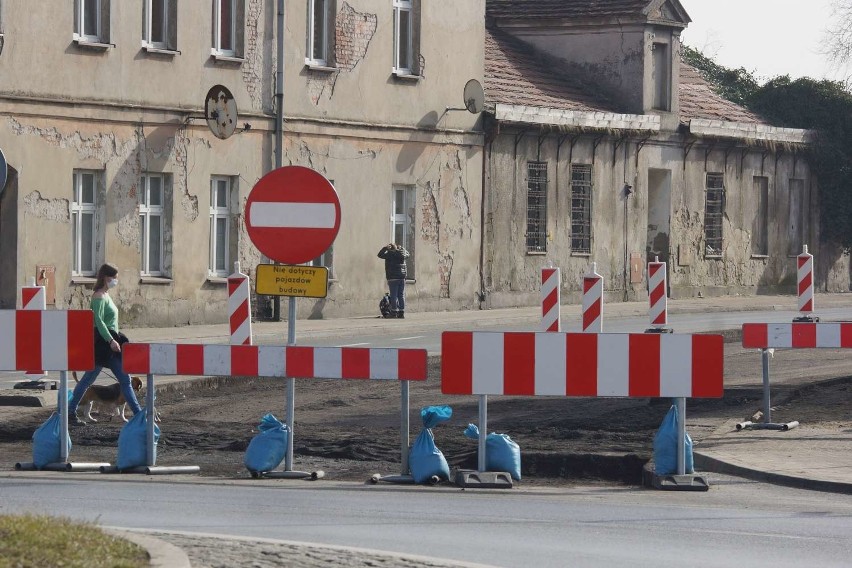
[714, 208]
[536, 207]
[581, 209]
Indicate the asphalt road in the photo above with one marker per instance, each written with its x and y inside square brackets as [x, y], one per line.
[736, 523]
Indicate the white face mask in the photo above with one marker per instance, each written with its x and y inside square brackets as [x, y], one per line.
[112, 283]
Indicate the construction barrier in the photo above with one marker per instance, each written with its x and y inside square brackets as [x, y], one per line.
[593, 301]
[805, 282]
[551, 279]
[657, 294]
[239, 307]
[34, 298]
[355, 363]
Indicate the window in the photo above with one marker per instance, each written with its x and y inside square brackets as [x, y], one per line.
[91, 21]
[160, 24]
[83, 223]
[228, 31]
[661, 76]
[714, 209]
[760, 223]
[536, 236]
[320, 32]
[405, 37]
[151, 197]
[404, 207]
[221, 195]
[796, 219]
[581, 209]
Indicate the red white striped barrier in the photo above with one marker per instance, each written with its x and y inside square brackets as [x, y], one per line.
[550, 299]
[275, 361]
[797, 335]
[581, 364]
[33, 298]
[805, 278]
[593, 301]
[60, 340]
[658, 302]
[239, 307]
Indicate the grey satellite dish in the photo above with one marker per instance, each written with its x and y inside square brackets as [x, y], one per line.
[4, 172]
[474, 97]
[220, 110]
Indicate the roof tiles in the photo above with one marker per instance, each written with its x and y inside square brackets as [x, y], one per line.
[564, 8]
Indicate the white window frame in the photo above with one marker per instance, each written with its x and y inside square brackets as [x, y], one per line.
[146, 212]
[408, 194]
[217, 31]
[220, 212]
[149, 25]
[321, 61]
[78, 210]
[403, 67]
[81, 33]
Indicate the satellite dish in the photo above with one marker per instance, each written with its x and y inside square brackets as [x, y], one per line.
[220, 110]
[474, 97]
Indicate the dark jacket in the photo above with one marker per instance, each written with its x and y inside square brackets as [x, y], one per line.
[395, 268]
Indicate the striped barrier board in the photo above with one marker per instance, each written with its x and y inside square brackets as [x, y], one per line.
[657, 300]
[60, 340]
[582, 364]
[593, 302]
[805, 281]
[275, 361]
[797, 335]
[239, 308]
[550, 299]
[34, 298]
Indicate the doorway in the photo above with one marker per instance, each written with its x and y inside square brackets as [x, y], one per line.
[659, 215]
[9, 241]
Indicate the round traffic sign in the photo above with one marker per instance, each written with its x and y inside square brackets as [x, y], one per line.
[293, 214]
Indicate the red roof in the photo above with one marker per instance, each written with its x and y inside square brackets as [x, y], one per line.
[698, 100]
[564, 8]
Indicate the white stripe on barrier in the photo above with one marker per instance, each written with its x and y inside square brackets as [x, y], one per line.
[675, 362]
[550, 379]
[780, 334]
[613, 366]
[166, 357]
[7, 348]
[217, 360]
[54, 342]
[328, 361]
[271, 361]
[384, 364]
[828, 334]
[488, 371]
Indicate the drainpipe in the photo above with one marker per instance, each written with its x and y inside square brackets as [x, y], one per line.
[279, 124]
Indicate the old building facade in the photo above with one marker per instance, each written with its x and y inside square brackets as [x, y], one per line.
[602, 146]
[111, 158]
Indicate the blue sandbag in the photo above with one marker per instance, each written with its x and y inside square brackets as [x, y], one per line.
[46, 444]
[665, 447]
[267, 449]
[501, 452]
[133, 442]
[424, 458]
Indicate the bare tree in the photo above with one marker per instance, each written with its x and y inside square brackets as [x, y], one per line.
[838, 46]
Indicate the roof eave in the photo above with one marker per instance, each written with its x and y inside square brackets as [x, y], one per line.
[598, 120]
[754, 132]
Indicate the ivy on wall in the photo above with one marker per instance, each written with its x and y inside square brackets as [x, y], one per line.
[823, 106]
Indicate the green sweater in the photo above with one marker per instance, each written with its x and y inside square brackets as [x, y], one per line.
[106, 316]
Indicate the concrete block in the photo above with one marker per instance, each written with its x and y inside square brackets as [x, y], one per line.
[468, 479]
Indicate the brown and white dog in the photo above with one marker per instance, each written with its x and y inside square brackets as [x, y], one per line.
[108, 397]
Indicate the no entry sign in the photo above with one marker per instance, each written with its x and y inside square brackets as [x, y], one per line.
[293, 214]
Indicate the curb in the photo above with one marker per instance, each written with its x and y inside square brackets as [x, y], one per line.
[161, 554]
[708, 463]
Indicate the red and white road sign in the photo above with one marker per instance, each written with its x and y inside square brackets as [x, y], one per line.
[57, 340]
[658, 302]
[33, 298]
[275, 361]
[593, 301]
[550, 299]
[805, 278]
[581, 364]
[293, 214]
[797, 335]
[239, 307]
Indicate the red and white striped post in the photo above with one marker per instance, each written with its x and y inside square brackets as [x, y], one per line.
[33, 298]
[550, 299]
[239, 307]
[658, 301]
[805, 279]
[593, 301]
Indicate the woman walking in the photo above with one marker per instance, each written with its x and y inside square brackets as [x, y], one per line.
[107, 346]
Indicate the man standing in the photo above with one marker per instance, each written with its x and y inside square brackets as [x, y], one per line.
[395, 272]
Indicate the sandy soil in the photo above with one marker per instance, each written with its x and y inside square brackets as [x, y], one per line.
[351, 429]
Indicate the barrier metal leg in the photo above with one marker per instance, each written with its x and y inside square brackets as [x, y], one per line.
[483, 430]
[767, 423]
[681, 435]
[404, 476]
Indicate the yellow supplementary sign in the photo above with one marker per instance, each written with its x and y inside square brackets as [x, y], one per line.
[290, 280]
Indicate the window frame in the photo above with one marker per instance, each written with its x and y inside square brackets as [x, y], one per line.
[81, 18]
[147, 39]
[146, 212]
[407, 220]
[535, 235]
[712, 251]
[583, 233]
[310, 58]
[400, 6]
[78, 208]
[662, 86]
[220, 212]
[217, 29]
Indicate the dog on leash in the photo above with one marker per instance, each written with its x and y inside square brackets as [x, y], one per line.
[107, 397]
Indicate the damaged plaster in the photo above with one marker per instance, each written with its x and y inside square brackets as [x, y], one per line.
[252, 67]
[50, 209]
